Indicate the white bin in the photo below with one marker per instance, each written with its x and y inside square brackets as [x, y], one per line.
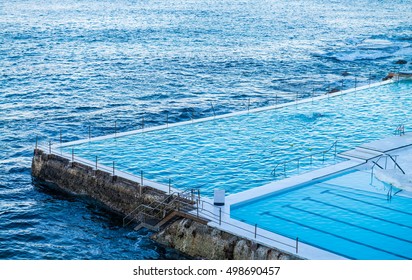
[219, 197]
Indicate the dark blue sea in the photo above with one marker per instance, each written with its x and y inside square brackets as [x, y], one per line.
[67, 65]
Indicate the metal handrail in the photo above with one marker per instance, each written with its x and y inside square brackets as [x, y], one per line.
[175, 195]
[375, 163]
[396, 164]
[304, 157]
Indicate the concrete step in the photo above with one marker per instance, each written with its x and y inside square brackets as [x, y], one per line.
[389, 143]
[360, 153]
[144, 225]
[167, 219]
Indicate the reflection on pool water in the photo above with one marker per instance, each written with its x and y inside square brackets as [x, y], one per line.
[349, 215]
[240, 152]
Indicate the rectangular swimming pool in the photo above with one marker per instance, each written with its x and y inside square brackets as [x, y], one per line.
[240, 152]
[348, 215]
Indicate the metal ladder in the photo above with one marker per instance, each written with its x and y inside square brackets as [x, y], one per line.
[158, 213]
[400, 130]
[390, 193]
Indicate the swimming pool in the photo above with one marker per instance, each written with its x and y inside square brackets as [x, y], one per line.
[348, 215]
[240, 152]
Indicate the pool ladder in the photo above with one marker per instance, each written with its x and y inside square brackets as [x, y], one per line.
[158, 213]
[400, 130]
[390, 193]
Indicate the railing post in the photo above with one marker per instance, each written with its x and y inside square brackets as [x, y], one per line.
[197, 208]
[142, 122]
[170, 185]
[96, 163]
[213, 108]
[394, 161]
[141, 178]
[72, 157]
[248, 104]
[220, 216]
[297, 245]
[255, 230]
[313, 94]
[389, 195]
[113, 168]
[323, 156]
[276, 100]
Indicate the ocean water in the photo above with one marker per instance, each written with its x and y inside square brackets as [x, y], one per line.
[67, 65]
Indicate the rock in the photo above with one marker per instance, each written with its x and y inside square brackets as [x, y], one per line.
[401, 61]
[334, 90]
[242, 251]
[389, 76]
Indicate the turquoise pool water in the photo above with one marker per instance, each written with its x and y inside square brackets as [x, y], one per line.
[240, 152]
[347, 215]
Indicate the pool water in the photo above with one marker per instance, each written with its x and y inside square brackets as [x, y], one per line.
[349, 215]
[240, 152]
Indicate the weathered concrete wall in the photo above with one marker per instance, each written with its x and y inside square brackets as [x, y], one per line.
[205, 242]
[118, 194]
[122, 196]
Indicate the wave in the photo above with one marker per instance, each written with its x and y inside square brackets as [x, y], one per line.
[372, 49]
